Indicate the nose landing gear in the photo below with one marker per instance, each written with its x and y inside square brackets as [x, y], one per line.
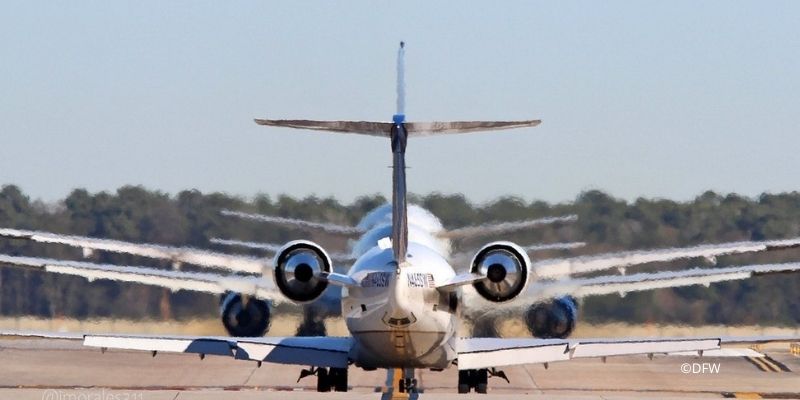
[407, 385]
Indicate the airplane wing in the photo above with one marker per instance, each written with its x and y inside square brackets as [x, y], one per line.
[502, 227]
[296, 223]
[562, 267]
[262, 287]
[619, 284]
[272, 248]
[474, 353]
[553, 246]
[178, 255]
[310, 350]
[171, 279]
[622, 284]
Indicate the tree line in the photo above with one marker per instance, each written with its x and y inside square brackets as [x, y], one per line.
[191, 218]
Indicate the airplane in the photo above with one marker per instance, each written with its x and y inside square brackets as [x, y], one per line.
[402, 299]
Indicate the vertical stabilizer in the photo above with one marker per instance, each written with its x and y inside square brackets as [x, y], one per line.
[401, 85]
[399, 136]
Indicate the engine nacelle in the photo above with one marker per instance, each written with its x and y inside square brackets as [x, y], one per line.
[299, 266]
[244, 316]
[506, 267]
[554, 319]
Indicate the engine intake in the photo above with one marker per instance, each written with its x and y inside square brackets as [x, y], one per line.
[244, 316]
[505, 266]
[552, 320]
[299, 269]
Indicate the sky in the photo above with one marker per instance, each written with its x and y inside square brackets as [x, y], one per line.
[637, 98]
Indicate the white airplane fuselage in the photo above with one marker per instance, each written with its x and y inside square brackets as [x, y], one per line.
[395, 315]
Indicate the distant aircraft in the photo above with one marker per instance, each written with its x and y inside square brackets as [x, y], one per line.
[401, 299]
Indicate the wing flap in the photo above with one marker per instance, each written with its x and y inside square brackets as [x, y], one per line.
[215, 346]
[316, 351]
[475, 353]
[497, 352]
[587, 348]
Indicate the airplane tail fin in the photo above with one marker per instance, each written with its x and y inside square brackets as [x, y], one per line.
[399, 131]
[413, 129]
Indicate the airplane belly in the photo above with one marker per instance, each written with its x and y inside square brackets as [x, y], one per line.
[398, 348]
[427, 342]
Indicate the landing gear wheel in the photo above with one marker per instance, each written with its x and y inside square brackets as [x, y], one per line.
[477, 379]
[481, 380]
[407, 385]
[338, 379]
[323, 381]
[464, 381]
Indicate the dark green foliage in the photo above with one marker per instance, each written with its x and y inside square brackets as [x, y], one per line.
[191, 218]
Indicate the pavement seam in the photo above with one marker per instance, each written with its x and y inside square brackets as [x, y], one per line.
[530, 376]
[250, 376]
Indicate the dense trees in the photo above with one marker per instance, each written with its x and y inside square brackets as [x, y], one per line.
[191, 218]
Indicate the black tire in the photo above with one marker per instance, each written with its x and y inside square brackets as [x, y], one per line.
[464, 381]
[323, 381]
[338, 377]
[480, 379]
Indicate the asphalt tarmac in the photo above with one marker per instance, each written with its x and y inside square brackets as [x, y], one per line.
[55, 369]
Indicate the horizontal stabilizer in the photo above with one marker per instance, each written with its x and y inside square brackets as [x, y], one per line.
[414, 129]
[358, 127]
[417, 129]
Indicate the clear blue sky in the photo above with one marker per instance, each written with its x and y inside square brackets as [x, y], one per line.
[656, 99]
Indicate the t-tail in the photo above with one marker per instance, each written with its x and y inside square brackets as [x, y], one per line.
[398, 131]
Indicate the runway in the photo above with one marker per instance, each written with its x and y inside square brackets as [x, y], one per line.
[55, 369]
